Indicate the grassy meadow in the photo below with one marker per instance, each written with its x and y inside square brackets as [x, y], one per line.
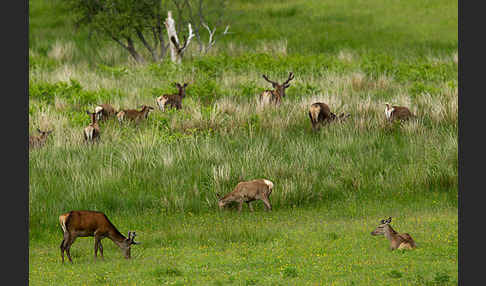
[161, 178]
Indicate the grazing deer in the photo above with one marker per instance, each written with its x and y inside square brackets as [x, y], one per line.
[134, 114]
[397, 240]
[92, 131]
[275, 96]
[92, 223]
[397, 113]
[39, 140]
[319, 112]
[259, 189]
[104, 111]
[173, 100]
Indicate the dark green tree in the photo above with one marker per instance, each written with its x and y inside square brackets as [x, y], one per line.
[129, 21]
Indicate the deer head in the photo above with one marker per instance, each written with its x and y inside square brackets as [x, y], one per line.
[127, 243]
[280, 88]
[343, 116]
[380, 229]
[44, 133]
[182, 88]
[93, 116]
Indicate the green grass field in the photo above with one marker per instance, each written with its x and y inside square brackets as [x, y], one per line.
[332, 187]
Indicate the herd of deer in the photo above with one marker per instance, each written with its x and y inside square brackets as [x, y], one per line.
[93, 223]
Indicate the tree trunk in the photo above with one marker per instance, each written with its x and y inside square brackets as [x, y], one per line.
[133, 52]
[131, 49]
[171, 33]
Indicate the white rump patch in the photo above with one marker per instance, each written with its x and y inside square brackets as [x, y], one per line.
[268, 183]
[388, 112]
[266, 98]
[98, 109]
[161, 100]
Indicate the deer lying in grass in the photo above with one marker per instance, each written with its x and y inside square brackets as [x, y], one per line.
[397, 240]
[92, 131]
[38, 140]
[92, 223]
[397, 113]
[259, 189]
[320, 113]
[275, 96]
[172, 100]
[133, 114]
[104, 111]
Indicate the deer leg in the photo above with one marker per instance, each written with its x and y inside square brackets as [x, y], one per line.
[65, 239]
[267, 203]
[240, 206]
[250, 206]
[68, 248]
[100, 247]
[62, 250]
[97, 241]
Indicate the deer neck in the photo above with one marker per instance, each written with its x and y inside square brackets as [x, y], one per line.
[118, 239]
[390, 233]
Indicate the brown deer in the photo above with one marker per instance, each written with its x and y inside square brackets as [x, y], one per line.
[38, 140]
[397, 240]
[259, 189]
[104, 111]
[92, 131]
[173, 100]
[397, 113]
[133, 114]
[275, 96]
[320, 113]
[92, 223]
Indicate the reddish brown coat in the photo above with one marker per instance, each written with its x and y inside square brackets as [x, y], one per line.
[133, 114]
[172, 100]
[275, 96]
[397, 113]
[91, 223]
[397, 240]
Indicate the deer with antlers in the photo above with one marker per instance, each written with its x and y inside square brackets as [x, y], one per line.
[397, 240]
[275, 96]
[92, 223]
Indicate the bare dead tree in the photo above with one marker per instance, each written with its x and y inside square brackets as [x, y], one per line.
[176, 49]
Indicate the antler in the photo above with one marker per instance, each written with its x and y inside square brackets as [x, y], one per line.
[291, 77]
[266, 78]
